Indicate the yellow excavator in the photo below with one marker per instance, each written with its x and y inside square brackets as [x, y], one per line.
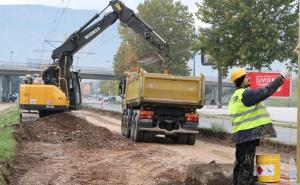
[59, 87]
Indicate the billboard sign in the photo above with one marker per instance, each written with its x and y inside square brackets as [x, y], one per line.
[261, 79]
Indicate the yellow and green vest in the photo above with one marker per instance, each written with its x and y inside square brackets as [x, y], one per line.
[249, 123]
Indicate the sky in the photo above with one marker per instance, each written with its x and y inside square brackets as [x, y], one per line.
[101, 4]
[89, 4]
[94, 4]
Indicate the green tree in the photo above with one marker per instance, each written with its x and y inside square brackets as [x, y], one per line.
[173, 22]
[253, 33]
[109, 87]
[125, 58]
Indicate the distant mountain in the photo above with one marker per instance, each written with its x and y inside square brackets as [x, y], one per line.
[23, 29]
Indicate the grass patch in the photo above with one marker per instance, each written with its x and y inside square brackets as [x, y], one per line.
[7, 142]
[11, 116]
[218, 128]
[215, 131]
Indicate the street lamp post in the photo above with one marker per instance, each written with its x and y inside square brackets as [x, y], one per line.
[77, 58]
[108, 80]
[11, 54]
[194, 55]
[298, 105]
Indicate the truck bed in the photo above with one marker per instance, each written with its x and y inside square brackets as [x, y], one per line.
[165, 89]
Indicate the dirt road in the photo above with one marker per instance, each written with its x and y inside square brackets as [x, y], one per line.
[67, 149]
[202, 152]
[4, 106]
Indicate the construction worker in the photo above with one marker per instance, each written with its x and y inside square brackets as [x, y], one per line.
[250, 122]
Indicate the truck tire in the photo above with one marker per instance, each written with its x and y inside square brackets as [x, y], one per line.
[127, 127]
[132, 130]
[128, 123]
[133, 125]
[123, 125]
[182, 139]
[191, 139]
[148, 136]
[137, 134]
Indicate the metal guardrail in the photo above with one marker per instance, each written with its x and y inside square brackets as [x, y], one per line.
[215, 79]
[14, 66]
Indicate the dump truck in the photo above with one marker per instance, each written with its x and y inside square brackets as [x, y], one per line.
[161, 104]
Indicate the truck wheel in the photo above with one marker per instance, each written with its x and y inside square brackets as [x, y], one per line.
[182, 139]
[191, 139]
[123, 125]
[127, 128]
[128, 124]
[148, 136]
[138, 134]
[133, 125]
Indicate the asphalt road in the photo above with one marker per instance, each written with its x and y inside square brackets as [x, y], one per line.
[284, 135]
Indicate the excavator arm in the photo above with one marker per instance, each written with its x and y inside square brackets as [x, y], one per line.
[59, 72]
[86, 34]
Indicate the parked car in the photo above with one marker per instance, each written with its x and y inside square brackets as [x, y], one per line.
[12, 98]
[118, 99]
[110, 99]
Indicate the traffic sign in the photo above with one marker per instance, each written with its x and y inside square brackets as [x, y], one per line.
[261, 79]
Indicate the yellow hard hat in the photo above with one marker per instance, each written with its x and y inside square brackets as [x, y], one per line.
[236, 74]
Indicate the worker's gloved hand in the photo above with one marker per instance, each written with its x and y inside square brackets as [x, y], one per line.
[285, 73]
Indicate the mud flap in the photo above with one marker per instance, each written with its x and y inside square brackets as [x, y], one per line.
[191, 139]
[182, 139]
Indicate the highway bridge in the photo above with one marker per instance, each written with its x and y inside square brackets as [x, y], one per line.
[8, 69]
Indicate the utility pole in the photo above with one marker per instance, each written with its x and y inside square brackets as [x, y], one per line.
[298, 104]
[194, 66]
[194, 57]
[108, 87]
[220, 76]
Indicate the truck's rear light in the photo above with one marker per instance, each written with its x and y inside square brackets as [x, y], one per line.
[146, 114]
[192, 117]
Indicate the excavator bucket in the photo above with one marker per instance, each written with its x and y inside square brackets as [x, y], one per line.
[153, 61]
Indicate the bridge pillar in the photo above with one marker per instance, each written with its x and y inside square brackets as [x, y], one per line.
[1, 88]
[5, 87]
[214, 93]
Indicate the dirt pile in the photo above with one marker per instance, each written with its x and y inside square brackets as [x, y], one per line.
[65, 149]
[66, 128]
[58, 145]
[209, 174]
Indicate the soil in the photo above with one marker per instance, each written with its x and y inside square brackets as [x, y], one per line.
[86, 147]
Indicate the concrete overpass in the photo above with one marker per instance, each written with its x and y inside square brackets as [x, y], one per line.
[96, 73]
[21, 69]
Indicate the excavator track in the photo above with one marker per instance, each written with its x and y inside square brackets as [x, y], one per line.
[28, 116]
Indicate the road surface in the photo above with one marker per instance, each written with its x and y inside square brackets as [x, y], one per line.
[284, 135]
[4, 106]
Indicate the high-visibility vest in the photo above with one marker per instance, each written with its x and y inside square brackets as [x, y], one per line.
[246, 118]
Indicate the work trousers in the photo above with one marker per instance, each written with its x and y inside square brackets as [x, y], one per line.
[244, 164]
